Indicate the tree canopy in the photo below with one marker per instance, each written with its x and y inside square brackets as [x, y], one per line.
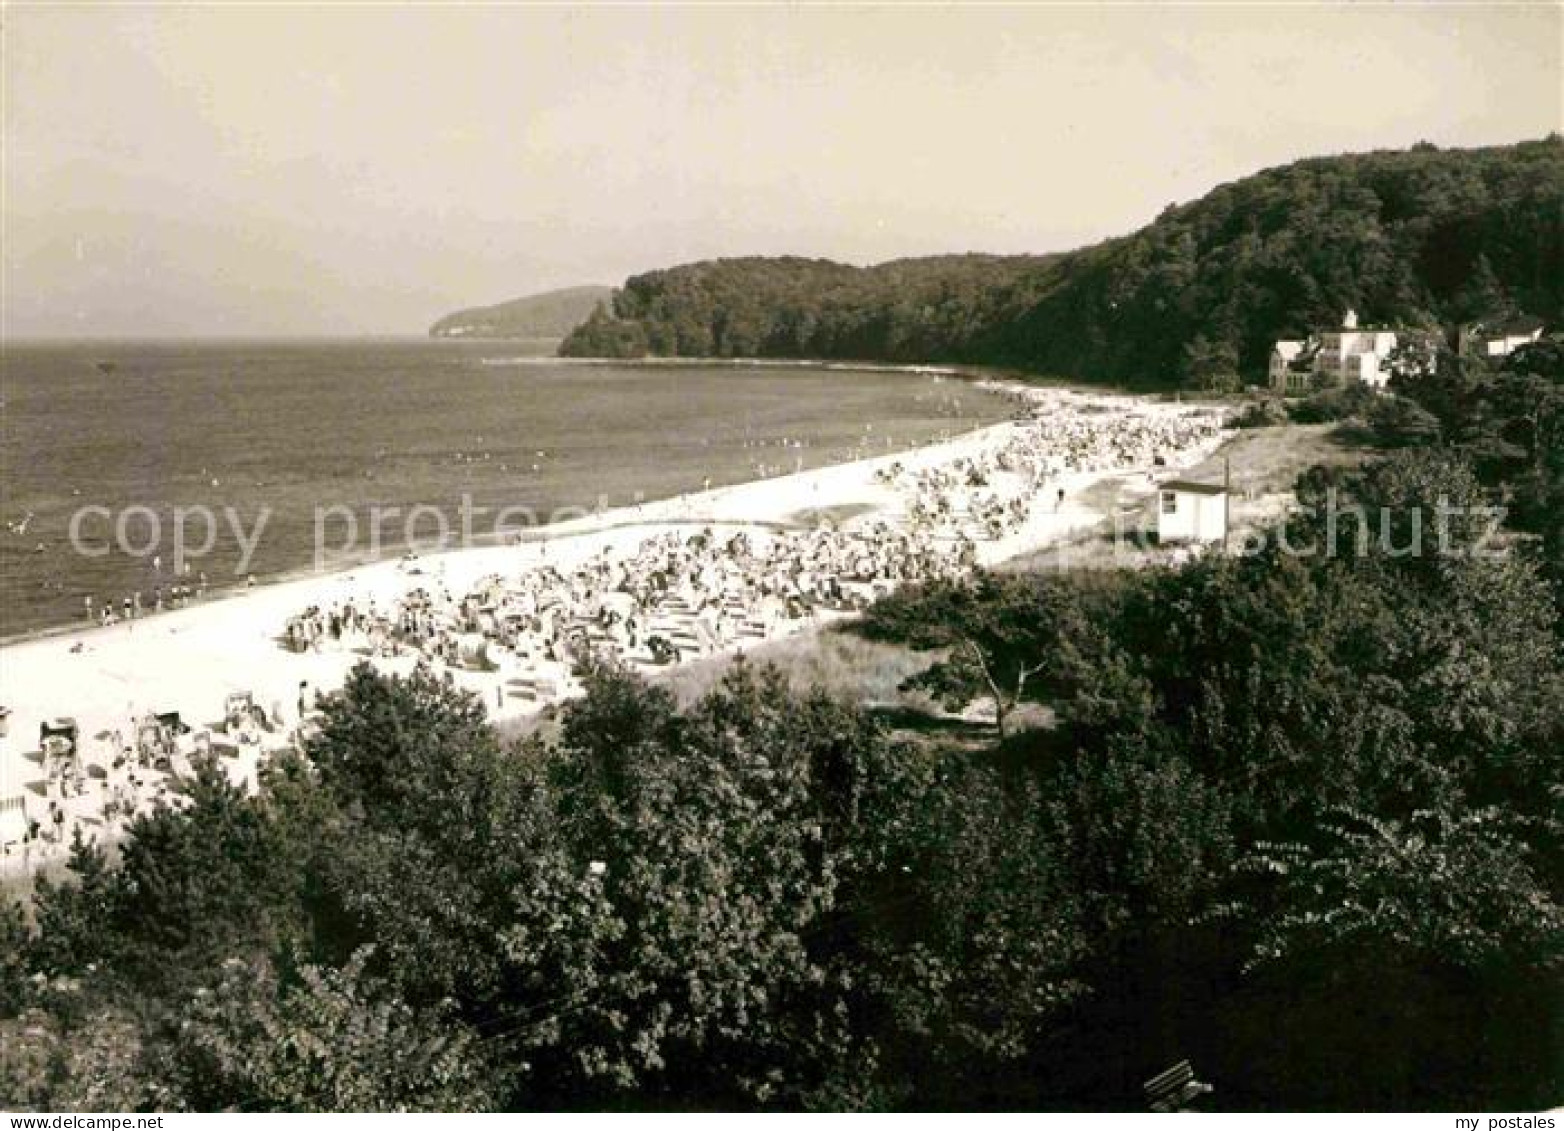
[1418, 238]
[1292, 814]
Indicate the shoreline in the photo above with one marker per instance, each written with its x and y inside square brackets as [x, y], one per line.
[613, 518]
[974, 372]
[1013, 386]
[191, 659]
[542, 532]
[956, 370]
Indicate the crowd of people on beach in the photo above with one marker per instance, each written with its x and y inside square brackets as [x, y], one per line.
[679, 594]
[91, 785]
[90, 791]
[176, 594]
[694, 588]
[88, 800]
[702, 588]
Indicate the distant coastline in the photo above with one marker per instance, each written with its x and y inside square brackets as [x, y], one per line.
[551, 314]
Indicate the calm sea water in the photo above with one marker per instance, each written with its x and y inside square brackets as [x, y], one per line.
[288, 427]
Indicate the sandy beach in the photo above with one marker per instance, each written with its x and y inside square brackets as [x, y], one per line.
[188, 660]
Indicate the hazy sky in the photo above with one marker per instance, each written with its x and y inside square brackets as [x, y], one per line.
[320, 169]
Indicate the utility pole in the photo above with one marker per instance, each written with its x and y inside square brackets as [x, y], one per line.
[1227, 504]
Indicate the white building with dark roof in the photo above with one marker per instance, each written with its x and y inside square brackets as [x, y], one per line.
[1350, 354]
[1289, 370]
[1188, 511]
[1355, 354]
[1499, 338]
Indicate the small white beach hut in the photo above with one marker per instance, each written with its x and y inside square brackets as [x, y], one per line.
[1191, 512]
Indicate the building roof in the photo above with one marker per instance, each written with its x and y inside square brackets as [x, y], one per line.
[1289, 348]
[1190, 487]
[1506, 327]
[1515, 327]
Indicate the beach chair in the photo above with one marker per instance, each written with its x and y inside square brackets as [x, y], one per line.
[237, 707]
[472, 652]
[152, 741]
[662, 650]
[59, 733]
[58, 740]
[243, 718]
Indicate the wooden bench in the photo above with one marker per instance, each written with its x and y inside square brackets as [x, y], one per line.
[1174, 1089]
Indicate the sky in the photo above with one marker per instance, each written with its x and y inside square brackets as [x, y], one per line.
[334, 169]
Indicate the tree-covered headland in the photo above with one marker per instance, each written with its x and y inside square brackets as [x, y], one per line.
[1419, 238]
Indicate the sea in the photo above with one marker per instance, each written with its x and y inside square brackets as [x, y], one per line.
[127, 468]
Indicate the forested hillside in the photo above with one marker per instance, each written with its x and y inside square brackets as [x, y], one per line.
[1422, 237]
[905, 310]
